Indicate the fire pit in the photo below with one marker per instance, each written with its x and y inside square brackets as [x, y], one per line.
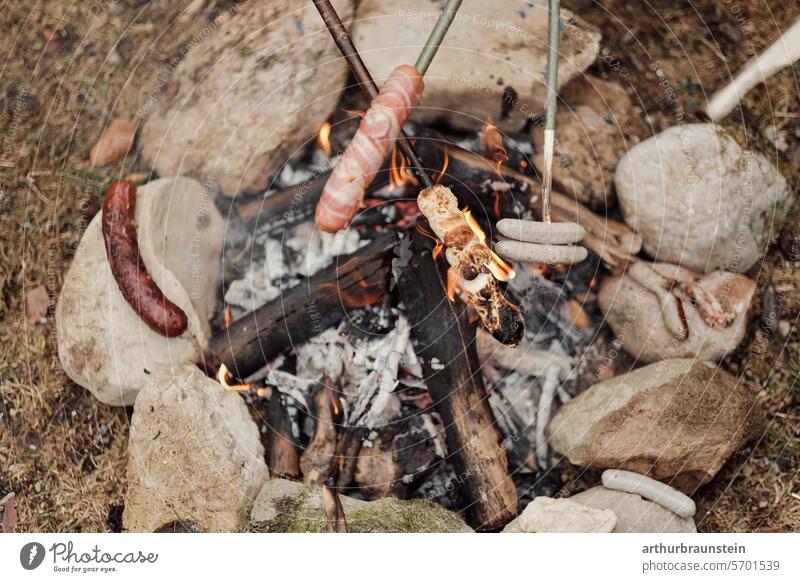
[403, 356]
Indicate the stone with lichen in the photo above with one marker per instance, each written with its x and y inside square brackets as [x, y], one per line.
[285, 506]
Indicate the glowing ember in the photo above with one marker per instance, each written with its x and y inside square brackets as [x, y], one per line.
[501, 270]
[223, 377]
[228, 318]
[324, 138]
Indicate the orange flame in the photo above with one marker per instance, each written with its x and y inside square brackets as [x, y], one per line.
[228, 318]
[223, 375]
[398, 173]
[501, 270]
[452, 284]
[362, 294]
[324, 138]
[445, 163]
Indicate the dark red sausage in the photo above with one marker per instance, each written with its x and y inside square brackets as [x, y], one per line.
[122, 248]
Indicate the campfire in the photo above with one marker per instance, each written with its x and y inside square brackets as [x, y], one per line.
[405, 308]
[344, 343]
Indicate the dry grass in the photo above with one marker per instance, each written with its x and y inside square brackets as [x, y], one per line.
[63, 454]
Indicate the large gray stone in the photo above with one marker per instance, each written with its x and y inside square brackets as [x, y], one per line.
[194, 455]
[492, 61]
[103, 345]
[248, 96]
[701, 201]
[677, 421]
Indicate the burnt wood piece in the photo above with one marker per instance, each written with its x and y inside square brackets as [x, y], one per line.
[296, 204]
[347, 451]
[282, 455]
[319, 456]
[444, 341]
[285, 207]
[303, 311]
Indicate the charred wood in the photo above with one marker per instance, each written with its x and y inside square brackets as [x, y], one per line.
[303, 311]
[282, 455]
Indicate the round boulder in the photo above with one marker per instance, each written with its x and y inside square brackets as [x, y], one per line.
[700, 200]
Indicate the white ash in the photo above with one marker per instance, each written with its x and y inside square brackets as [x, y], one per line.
[365, 370]
[282, 264]
[525, 382]
[382, 358]
[549, 391]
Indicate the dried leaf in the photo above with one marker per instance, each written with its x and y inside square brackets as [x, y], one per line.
[578, 315]
[37, 301]
[115, 142]
[9, 523]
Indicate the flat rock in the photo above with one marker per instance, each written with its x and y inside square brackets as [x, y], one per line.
[677, 421]
[285, 506]
[546, 515]
[634, 315]
[248, 96]
[492, 61]
[596, 127]
[634, 514]
[194, 455]
[701, 201]
[102, 344]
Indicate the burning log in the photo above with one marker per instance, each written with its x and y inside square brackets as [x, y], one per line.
[305, 310]
[445, 345]
[470, 258]
[282, 457]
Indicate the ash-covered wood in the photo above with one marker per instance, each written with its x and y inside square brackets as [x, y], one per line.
[303, 311]
[445, 344]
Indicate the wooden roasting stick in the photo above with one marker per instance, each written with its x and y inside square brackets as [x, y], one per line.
[465, 252]
[551, 103]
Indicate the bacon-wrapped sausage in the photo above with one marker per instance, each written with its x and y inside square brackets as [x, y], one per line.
[130, 273]
[377, 133]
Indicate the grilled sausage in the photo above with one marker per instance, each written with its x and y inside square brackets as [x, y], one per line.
[130, 273]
